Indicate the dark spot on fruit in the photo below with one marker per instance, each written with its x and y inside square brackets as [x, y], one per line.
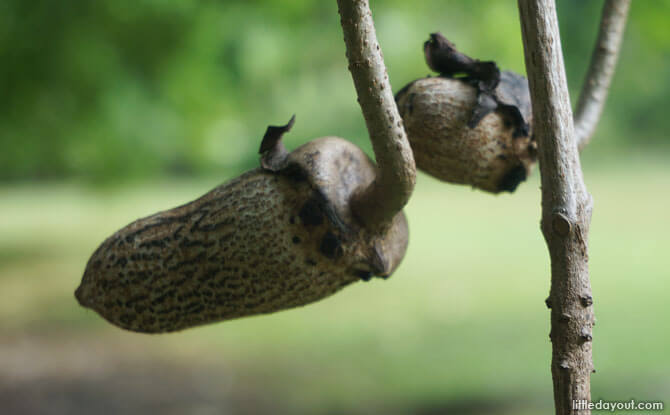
[330, 246]
[310, 262]
[364, 275]
[296, 240]
[294, 172]
[512, 178]
[310, 213]
[291, 220]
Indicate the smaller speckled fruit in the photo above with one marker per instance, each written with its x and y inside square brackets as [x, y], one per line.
[491, 156]
[277, 237]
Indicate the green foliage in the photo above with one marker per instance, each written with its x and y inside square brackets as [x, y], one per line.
[115, 89]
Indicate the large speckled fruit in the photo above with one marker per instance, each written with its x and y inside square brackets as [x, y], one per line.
[492, 155]
[276, 237]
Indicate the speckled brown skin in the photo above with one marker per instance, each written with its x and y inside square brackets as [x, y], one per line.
[436, 112]
[263, 242]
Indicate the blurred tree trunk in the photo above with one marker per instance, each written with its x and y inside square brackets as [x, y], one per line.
[566, 204]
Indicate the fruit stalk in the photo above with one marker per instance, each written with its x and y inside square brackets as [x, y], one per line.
[396, 177]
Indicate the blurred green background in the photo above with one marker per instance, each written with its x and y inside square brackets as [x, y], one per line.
[112, 110]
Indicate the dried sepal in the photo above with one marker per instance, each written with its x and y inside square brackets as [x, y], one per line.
[470, 125]
[495, 89]
[273, 152]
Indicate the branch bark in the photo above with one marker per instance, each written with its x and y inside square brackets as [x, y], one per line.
[601, 70]
[566, 206]
[396, 177]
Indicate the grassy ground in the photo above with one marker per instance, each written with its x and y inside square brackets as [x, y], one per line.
[460, 328]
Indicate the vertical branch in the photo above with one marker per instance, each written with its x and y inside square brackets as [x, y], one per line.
[601, 70]
[566, 206]
[396, 169]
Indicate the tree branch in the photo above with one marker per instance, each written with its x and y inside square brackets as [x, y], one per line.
[601, 70]
[396, 176]
[566, 206]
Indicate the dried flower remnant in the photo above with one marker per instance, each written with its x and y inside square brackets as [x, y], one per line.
[470, 125]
